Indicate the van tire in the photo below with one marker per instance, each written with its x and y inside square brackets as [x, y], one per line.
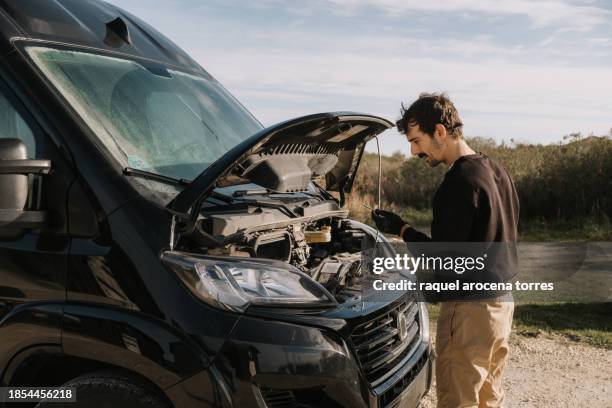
[109, 389]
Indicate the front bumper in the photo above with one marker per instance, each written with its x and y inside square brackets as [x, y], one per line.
[274, 364]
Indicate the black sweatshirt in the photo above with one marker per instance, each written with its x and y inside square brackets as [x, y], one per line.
[476, 202]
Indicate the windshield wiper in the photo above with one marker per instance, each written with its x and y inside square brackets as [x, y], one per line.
[129, 171]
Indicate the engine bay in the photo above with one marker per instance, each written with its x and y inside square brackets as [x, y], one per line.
[324, 244]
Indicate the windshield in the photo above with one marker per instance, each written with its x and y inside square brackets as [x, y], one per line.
[149, 117]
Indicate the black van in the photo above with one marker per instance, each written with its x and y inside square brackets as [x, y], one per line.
[160, 247]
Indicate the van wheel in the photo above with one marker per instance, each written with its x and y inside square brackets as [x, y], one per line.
[109, 389]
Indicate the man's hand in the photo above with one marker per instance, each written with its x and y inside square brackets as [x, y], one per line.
[388, 222]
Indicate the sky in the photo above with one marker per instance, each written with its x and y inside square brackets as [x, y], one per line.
[523, 70]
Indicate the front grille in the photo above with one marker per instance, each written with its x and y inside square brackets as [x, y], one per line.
[377, 342]
[387, 399]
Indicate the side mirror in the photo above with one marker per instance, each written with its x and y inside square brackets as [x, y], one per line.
[20, 186]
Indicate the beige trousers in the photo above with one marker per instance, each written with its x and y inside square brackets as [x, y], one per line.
[472, 351]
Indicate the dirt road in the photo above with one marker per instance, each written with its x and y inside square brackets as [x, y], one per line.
[550, 371]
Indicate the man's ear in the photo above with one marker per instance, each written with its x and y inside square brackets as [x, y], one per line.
[440, 132]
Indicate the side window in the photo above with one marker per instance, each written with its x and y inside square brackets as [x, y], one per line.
[12, 126]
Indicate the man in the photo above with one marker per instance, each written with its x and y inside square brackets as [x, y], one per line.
[476, 202]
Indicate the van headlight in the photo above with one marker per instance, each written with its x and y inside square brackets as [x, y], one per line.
[234, 284]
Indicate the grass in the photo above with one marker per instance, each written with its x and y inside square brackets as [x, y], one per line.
[589, 323]
[583, 230]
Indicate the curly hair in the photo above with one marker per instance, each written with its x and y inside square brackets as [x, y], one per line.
[429, 110]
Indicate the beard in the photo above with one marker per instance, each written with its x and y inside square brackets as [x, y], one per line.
[429, 160]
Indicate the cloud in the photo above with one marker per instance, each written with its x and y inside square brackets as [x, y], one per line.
[497, 99]
[541, 13]
[571, 15]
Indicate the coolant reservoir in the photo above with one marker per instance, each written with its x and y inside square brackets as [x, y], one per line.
[318, 237]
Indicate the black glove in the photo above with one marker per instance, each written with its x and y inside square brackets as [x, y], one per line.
[388, 222]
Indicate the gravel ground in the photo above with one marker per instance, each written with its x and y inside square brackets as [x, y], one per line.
[551, 371]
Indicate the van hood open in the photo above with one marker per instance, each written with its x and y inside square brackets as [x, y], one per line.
[286, 157]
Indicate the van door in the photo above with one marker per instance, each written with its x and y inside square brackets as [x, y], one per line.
[32, 259]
